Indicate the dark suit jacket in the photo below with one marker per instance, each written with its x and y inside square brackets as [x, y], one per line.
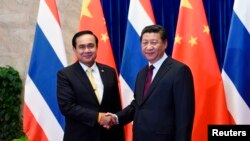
[166, 113]
[79, 104]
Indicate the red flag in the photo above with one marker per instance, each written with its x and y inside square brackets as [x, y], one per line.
[92, 18]
[193, 46]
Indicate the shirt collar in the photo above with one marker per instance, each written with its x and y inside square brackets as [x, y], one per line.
[157, 64]
[94, 66]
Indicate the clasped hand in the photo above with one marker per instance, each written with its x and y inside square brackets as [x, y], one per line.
[107, 120]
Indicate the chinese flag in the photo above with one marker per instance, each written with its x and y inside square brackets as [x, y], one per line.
[193, 46]
[92, 18]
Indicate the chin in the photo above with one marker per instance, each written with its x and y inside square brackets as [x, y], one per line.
[150, 58]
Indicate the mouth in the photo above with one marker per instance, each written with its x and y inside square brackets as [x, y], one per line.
[149, 53]
[87, 56]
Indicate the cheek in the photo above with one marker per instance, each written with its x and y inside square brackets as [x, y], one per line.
[142, 50]
[161, 50]
[79, 54]
[95, 55]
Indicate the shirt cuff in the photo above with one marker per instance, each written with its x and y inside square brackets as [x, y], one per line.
[116, 118]
[99, 117]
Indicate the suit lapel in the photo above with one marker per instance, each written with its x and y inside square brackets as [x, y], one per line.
[102, 74]
[81, 74]
[104, 78]
[141, 84]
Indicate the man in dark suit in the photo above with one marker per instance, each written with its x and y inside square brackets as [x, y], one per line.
[84, 97]
[165, 111]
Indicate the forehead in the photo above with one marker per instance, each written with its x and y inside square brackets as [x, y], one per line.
[86, 38]
[151, 36]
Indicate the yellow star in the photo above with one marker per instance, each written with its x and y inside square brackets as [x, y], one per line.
[85, 10]
[186, 3]
[193, 41]
[104, 37]
[177, 39]
[206, 29]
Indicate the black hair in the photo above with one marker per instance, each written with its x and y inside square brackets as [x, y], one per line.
[80, 33]
[155, 29]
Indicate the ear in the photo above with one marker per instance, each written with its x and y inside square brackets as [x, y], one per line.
[74, 49]
[165, 43]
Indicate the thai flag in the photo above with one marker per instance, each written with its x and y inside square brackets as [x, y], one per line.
[140, 15]
[42, 118]
[236, 69]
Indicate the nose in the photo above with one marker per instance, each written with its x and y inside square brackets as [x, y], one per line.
[86, 49]
[148, 46]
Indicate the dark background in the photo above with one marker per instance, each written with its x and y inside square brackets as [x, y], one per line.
[218, 14]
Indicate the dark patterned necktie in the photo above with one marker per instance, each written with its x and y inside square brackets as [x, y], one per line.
[148, 79]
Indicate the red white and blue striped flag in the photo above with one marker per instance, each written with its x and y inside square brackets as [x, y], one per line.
[236, 68]
[42, 118]
[140, 15]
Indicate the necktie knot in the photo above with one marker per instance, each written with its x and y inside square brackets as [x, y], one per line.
[151, 67]
[89, 70]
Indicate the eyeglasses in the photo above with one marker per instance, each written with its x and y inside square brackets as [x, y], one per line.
[146, 43]
[85, 46]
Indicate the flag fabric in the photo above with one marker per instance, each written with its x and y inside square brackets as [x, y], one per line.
[236, 68]
[92, 18]
[193, 46]
[42, 119]
[140, 15]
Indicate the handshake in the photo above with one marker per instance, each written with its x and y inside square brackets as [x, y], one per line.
[107, 120]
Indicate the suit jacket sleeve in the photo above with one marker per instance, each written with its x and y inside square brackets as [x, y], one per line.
[184, 103]
[127, 114]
